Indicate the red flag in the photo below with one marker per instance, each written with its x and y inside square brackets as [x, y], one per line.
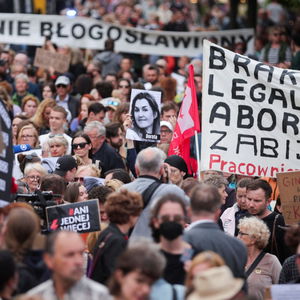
[187, 124]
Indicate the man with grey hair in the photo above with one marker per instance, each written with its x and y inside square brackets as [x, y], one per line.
[149, 168]
[106, 155]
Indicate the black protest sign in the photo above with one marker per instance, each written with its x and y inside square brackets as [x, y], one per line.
[6, 153]
[80, 217]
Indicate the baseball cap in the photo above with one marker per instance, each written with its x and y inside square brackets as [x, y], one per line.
[64, 164]
[167, 124]
[62, 80]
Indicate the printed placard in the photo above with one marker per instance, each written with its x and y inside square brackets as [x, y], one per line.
[6, 153]
[79, 217]
[145, 115]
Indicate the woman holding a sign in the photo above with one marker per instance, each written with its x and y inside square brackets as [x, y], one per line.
[145, 114]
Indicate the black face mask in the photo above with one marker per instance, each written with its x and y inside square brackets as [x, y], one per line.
[170, 230]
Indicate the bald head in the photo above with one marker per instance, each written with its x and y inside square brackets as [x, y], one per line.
[150, 161]
[21, 58]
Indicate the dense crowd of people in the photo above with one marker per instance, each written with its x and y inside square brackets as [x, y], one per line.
[164, 234]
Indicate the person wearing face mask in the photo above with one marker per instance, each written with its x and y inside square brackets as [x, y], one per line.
[167, 223]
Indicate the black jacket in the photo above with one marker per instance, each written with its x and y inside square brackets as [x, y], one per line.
[110, 244]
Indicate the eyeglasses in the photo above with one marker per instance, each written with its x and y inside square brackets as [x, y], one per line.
[175, 218]
[79, 179]
[124, 86]
[61, 86]
[32, 178]
[165, 131]
[28, 136]
[243, 233]
[80, 145]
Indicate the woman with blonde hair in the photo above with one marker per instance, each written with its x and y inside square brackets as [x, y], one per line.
[58, 146]
[203, 261]
[27, 134]
[30, 105]
[33, 174]
[262, 269]
[41, 117]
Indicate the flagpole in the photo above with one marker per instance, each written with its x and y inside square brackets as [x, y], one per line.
[197, 154]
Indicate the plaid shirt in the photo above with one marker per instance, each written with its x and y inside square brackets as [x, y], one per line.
[289, 271]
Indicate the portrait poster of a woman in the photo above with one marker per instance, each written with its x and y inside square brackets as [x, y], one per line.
[145, 116]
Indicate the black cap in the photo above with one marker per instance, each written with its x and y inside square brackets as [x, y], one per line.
[177, 162]
[64, 164]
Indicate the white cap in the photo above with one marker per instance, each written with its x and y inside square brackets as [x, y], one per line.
[167, 124]
[62, 80]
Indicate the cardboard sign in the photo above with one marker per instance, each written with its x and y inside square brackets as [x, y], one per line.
[45, 59]
[6, 153]
[250, 115]
[145, 114]
[80, 217]
[289, 187]
[285, 291]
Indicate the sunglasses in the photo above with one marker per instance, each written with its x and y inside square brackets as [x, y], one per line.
[61, 85]
[79, 179]
[80, 145]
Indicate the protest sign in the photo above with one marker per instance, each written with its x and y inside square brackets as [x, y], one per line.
[80, 217]
[82, 32]
[6, 153]
[45, 59]
[250, 115]
[289, 188]
[285, 291]
[145, 114]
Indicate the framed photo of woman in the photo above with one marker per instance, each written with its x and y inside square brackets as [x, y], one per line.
[145, 115]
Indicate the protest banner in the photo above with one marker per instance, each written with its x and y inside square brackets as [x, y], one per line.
[250, 115]
[45, 59]
[289, 188]
[82, 32]
[80, 216]
[145, 113]
[6, 153]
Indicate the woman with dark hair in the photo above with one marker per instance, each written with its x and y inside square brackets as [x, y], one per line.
[82, 148]
[145, 118]
[136, 270]
[124, 87]
[75, 192]
[48, 90]
[123, 209]
[167, 221]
